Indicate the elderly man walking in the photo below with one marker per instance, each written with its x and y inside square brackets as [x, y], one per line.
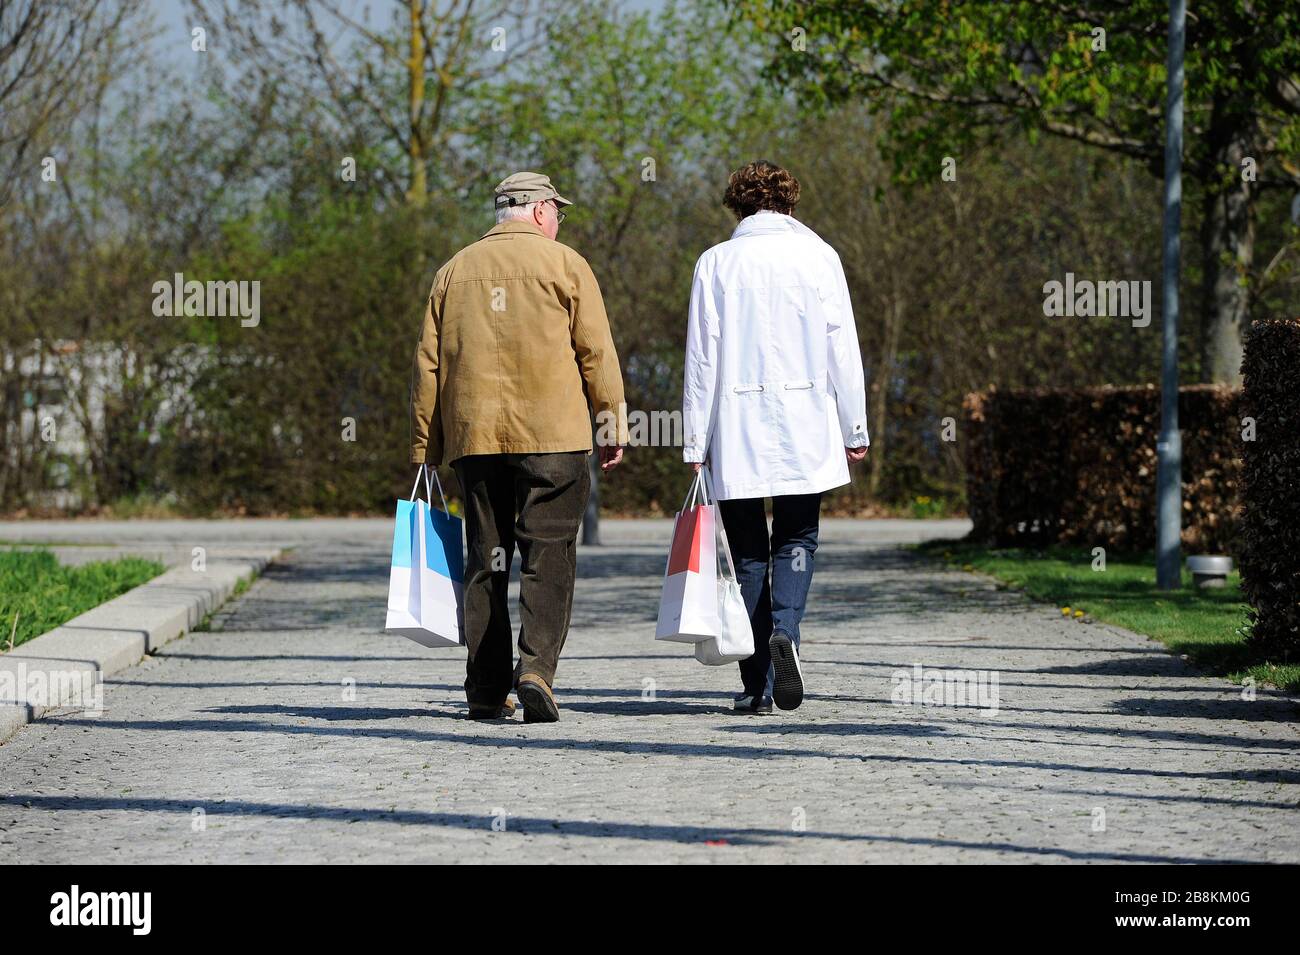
[514, 353]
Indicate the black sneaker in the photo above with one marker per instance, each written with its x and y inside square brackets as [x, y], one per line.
[745, 703]
[787, 681]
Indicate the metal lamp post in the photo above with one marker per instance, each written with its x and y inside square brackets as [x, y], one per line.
[1169, 448]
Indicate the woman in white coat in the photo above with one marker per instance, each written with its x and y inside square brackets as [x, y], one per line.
[775, 403]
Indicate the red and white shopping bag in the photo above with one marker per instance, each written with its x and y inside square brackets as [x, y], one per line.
[735, 639]
[688, 609]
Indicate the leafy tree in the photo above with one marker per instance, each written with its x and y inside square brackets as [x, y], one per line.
[953, 75]
[937, 277]
[391, 93]
[56, 58]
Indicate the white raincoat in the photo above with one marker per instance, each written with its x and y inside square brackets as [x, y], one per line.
[774, 388]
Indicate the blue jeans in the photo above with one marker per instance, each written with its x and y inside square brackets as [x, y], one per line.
[774, 574]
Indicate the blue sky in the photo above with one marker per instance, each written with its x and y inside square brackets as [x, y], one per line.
[175, 18]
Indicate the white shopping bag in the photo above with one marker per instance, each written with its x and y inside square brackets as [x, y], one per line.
[426, 579]
[688, 607]
[735, 639]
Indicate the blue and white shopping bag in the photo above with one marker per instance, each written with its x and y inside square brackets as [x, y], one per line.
[426, 582]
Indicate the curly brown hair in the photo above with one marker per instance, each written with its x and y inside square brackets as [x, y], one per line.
[761, 186]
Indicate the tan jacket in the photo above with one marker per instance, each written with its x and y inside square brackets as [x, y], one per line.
[514, 351]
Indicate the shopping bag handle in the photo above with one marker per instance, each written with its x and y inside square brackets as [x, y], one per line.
[705, 479]
[701, 490]
[692, 493]
[425, 470]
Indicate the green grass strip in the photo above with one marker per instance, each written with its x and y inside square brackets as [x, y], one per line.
[40, 594]
[1205, 624]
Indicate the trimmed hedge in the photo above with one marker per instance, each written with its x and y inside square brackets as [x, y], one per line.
[1078, 466]
[1270, 559]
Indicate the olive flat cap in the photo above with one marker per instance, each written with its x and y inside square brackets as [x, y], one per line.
[525, 187]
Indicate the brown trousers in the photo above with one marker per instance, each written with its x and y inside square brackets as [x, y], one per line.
[535, 502]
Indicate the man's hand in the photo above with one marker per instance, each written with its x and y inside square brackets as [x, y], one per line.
[856, 454]
[610, 456]
[696, 465]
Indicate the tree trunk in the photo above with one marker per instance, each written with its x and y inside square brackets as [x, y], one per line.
[880, 394]
[1228, 250]
[418, 191]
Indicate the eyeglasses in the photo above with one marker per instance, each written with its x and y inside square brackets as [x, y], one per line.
[559, 215]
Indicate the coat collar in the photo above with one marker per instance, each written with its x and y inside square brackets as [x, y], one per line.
[762, 223]
[772, 223]
[514, 225]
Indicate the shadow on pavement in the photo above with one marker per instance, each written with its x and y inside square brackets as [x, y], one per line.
[532, 825]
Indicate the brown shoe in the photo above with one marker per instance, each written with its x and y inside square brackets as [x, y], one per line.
[486, 711]
[537, 699]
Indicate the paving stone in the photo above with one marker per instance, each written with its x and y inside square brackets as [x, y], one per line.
[245, 744]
